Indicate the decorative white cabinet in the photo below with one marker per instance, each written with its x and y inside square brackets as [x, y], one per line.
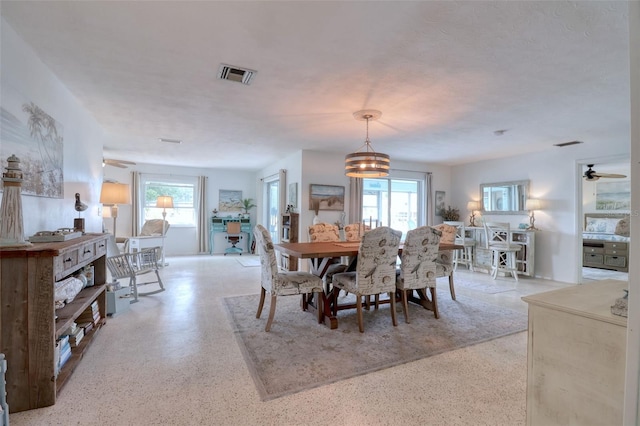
[525, 258]
[576, 356]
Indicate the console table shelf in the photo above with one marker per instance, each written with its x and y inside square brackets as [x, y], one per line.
[29, 327]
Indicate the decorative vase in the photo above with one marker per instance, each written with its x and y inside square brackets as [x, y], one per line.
[316, 219]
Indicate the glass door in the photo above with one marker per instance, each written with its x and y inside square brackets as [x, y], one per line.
[273, 197]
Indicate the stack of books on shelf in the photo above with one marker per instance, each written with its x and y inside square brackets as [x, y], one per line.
[91, 314]
[65, 351]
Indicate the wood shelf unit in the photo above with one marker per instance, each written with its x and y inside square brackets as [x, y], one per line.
[289, 234]
[29, 327]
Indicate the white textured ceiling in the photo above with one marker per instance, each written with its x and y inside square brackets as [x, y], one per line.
[445, 75]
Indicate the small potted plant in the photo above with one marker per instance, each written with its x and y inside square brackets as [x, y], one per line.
[247, 204]
[450, 214]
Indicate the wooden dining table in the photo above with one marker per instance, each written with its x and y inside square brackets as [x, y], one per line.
[321, 255]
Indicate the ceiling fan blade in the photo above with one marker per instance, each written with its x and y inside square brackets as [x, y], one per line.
[609, 175]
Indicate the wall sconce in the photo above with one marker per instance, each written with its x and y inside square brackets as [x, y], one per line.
[531, 205]
[112, 194]
[473, 206]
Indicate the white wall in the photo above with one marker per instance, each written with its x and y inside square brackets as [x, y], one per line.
[24, 78]
[553, 179]
[183, 240]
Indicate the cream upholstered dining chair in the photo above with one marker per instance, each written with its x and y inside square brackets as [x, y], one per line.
[463, 256]
[355, 231]
[287, 283]
[444, 266]
[322, 233]
[497, 238]
[375, 271]
[418, 267]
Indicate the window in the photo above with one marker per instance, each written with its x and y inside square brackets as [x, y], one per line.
[183, 191]
[392, 202]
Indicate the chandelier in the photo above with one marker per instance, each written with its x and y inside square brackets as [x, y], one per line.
[366, 163]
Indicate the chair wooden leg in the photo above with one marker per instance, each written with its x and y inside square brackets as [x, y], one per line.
[261, 304]
[272, 311]
[434, 302]
[335, 292]
[405, 306]
[359, 312]
[320, 307]
[376, 301]
[392, 298]
[451, 288]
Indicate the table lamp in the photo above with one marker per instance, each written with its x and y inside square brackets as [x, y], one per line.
[164, 202]
[472, 206]
[112, 194]
[531, 205]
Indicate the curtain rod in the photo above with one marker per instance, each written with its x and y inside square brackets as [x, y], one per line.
[413, 171]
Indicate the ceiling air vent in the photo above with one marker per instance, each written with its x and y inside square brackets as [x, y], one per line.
[232, 73]
[567, 143]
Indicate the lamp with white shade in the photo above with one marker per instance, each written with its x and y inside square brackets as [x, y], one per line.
[164, 202]
[531, 205]
[472, 206]
[112, 194]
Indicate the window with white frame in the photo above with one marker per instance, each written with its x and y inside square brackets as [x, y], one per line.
[183, 191]
[392, 202]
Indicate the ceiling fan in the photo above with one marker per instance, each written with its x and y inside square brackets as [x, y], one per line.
[591, 174]
[123, 164]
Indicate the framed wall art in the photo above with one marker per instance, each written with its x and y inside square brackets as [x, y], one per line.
[439, 203]
[230, 201]
[36, 138]
[326, 197]
[613, 195]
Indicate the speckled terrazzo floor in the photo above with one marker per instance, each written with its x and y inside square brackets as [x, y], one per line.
[173, 360]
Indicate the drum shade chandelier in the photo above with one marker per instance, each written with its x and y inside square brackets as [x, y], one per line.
[366, 163]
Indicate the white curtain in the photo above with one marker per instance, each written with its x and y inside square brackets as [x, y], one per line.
[429, 199]
[203, 215]
[355, 200]
[282, 191]
[135, 197]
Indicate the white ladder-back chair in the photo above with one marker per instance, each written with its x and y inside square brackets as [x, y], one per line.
[503, 249]
[463, 256]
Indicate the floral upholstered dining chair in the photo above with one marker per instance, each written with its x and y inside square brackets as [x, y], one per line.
[287, 283]
[418, 268]
[322, 233]
[445, 267]
[375, 271]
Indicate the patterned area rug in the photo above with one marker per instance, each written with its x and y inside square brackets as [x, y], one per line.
[485, 285]
[299, 354]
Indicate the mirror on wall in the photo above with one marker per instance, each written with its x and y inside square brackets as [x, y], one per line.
[504, 197]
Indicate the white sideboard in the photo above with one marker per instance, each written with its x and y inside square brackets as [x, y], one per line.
[525, 258]
[576, 356]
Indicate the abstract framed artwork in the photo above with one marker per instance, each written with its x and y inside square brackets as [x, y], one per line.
[230, 201]
[326, 197]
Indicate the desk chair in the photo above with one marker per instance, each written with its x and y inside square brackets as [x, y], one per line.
[233, 237]
[498, 240]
